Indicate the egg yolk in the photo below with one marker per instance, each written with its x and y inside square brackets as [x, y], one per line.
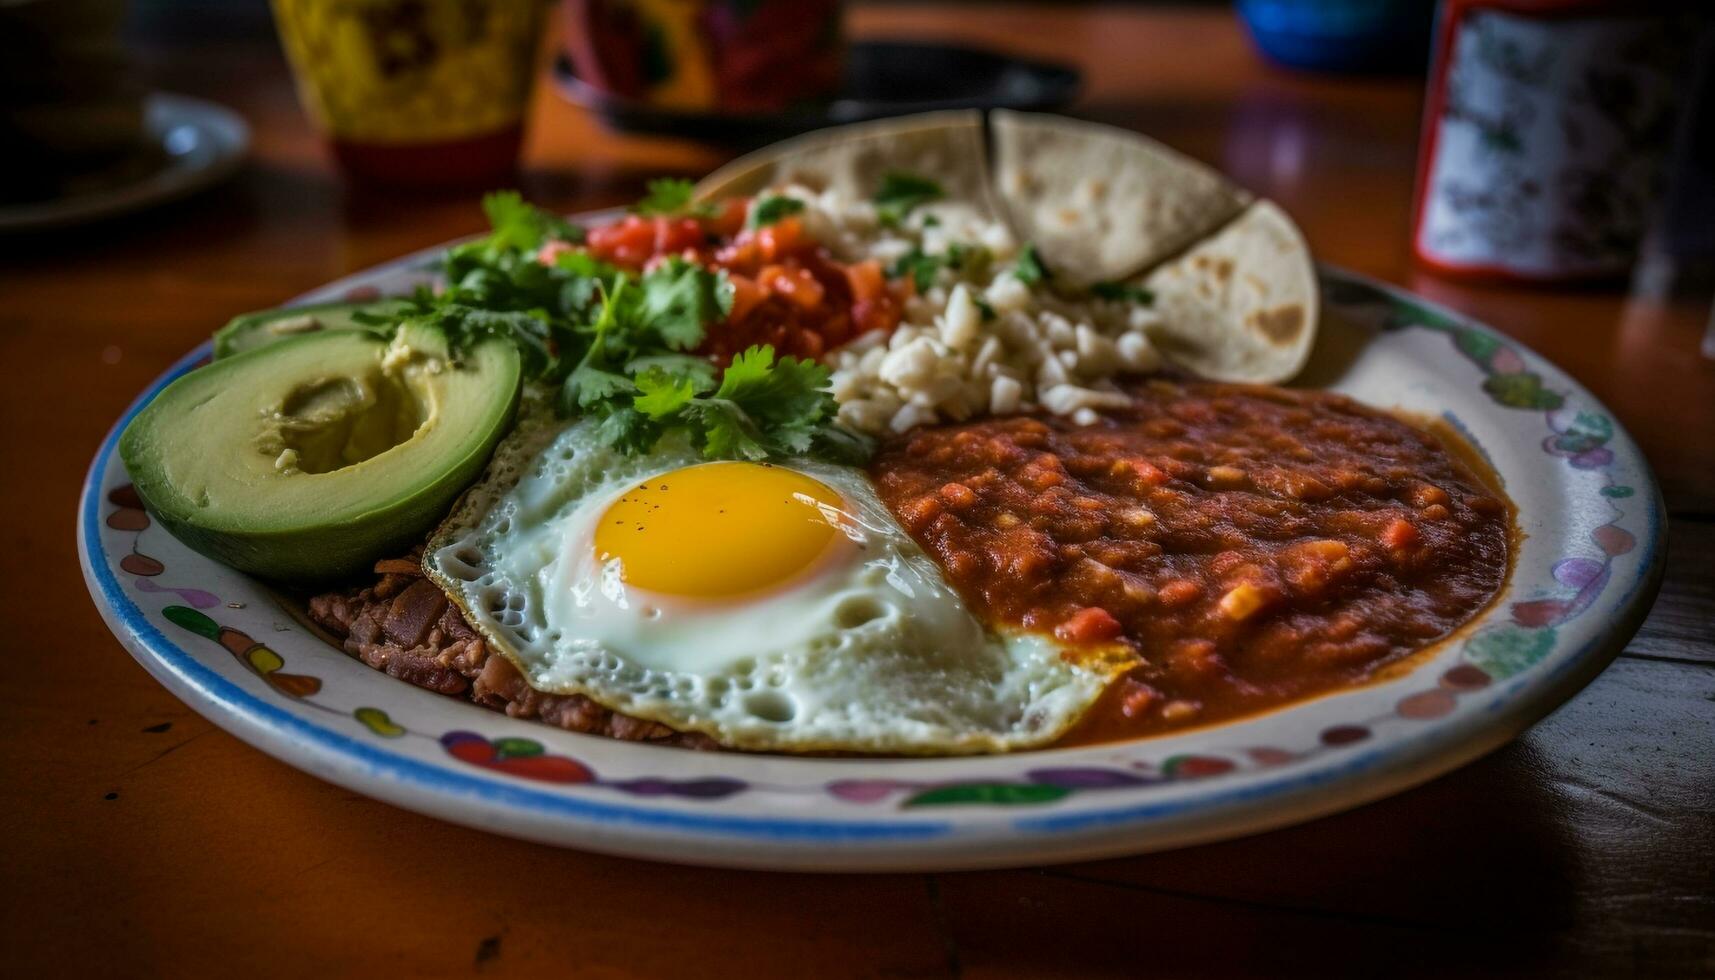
[718, 529]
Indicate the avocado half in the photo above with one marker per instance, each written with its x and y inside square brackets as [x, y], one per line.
[307, 459]
[249, 331]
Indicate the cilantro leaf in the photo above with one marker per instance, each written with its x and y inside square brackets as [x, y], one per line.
[1124, 292]
[1029, 268]
[589, 385]
[724, 431]
[678, 299]
[661, 394]
[628, 430]
[770, 209]
[698, 370]
[900, 193]
[984, 308]
[672, 197]
[921, 268]
[969, 259]
[522, 226]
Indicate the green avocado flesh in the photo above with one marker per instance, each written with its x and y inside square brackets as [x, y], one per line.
[252, 330]
[310, 458]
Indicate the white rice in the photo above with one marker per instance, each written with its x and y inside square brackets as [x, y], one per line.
[944, 362]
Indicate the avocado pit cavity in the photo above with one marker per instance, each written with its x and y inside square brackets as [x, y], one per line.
[333, 422]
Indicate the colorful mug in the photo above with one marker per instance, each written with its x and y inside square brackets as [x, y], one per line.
[710, 56]
[416, 91]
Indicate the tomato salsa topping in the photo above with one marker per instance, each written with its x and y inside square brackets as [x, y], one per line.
[1251, 545]
[788, 290]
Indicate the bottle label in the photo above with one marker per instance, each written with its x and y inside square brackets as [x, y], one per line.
[1549, 143]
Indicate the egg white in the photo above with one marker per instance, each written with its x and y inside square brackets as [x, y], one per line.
[872, 653]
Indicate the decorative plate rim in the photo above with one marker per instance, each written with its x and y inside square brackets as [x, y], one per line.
[898, 839]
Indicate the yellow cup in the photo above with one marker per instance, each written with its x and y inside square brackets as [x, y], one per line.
[416, 91]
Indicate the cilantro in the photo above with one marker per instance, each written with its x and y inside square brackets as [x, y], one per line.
[970, 259]
[672, 197]
[660, 394]
[900, 193]
[698, 370]
[677, 300]
[620, 346]
[1029, 268]
[921, 268]
[768, 210]
[1123, 292]
[984, 308]
[763, 407]
[521, 226]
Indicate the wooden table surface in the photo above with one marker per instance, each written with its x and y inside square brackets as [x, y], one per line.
[135, 833]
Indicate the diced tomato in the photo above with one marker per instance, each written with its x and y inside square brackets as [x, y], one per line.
[866, 281]
[1399, 535]
[797, 285]
[746, 296]
[678, 234]
[729, 220]
[1091, 624]
[553, 250]
[777, 239]
[787, 290]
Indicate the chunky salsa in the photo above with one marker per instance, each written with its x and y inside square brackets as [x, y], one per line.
[788, 290]
[1250, 545]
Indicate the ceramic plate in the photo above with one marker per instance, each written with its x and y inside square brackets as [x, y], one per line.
[201, 143]
[1586, 572]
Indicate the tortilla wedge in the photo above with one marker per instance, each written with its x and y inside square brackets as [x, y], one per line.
[1242, 304]
[946, 147]
[1103, 204]
[1233, 279]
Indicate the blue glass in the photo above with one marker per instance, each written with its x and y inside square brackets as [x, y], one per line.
[1343, 35]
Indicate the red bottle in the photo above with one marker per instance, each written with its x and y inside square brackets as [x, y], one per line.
[1546, 135]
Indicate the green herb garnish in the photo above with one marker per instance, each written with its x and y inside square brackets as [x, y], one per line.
[1123, 292]
[673, 197]
[621, 346]
[922, 267]
[900, 193]
[768, 210]
[1029, 268]
[763, 407]
[521, 226]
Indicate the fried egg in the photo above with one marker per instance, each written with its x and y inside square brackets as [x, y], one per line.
[771, 606]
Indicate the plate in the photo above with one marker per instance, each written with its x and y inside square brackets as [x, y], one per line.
[882, 78]
[1586, 572]
[201, 144]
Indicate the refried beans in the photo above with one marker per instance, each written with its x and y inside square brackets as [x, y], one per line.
[1251, 545]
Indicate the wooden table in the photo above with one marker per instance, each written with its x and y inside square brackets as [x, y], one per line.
[136, 833]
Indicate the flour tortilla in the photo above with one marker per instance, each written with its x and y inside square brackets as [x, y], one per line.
[1238, 303]
[946, 147]
[1103, 204]
[1242, 304]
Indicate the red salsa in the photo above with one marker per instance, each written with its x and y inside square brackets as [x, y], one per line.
[1250, 545]
[788, 290]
